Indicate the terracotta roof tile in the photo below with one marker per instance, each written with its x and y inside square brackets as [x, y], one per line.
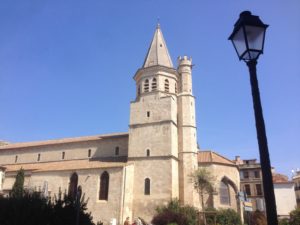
[279, 178]
[212, 157]
[60, 141]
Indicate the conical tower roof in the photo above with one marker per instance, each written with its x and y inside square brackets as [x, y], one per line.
[158, 53]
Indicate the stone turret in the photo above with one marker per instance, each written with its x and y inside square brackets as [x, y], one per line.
[185, 74]
[187, 137]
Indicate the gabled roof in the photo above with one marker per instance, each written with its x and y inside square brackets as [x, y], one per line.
[279, 178]
[212, 157]
[158, 53]
[61, 141]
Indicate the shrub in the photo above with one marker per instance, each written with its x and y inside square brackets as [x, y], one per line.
[210, 217]
[26, 210]
[295, 217]
[228, 217]
[65, 211]
[283, 222]
[258, 218]
[33, 209]
[168, 217]
[174, 208]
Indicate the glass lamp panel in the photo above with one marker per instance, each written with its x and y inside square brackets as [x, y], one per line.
[251, 55]
[254, 54]
[239, 42]
[246, 56]
[255, 37]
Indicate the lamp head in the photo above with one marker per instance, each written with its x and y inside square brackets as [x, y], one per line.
[248, 36]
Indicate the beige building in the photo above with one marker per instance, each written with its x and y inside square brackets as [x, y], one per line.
[130, 174]
[284, 195]
[251, 182]
[296, 180]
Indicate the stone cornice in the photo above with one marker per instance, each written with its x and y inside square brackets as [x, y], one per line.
[185, 94]
[190, 126]
[163, 157]
[153, 69]
[152, 123]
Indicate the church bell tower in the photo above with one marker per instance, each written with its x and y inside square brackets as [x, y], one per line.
[153, 136]
[162, 131]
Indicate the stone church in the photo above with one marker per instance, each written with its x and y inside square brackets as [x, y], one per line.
[130, 174]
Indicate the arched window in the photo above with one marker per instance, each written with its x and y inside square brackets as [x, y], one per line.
[166, 85]
[16, 159]
[147, 186]
[63, 155]
[117, 150]
[89, 153]
[224, 193]
[154, 84]
[73, 185]
[104, 184]
[39, 157]
[148, 152]
[175, 87]
[146, 86]
[139, 90]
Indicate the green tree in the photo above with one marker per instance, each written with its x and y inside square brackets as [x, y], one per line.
[295, 217]
[203, 181]
[18, 187]
[65, 211]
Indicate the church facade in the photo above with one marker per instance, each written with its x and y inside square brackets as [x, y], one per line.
[130, 174]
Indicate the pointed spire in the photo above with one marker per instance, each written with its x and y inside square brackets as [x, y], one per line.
[158, 53]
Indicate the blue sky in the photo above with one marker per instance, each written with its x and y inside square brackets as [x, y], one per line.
[66, 70]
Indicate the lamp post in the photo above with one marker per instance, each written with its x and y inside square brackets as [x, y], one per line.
[248, 38]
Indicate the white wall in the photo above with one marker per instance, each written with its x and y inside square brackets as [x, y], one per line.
[285, 198]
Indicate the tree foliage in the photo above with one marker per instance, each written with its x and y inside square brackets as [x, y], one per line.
[168, 217]
[228, 217]
[175, 213]
[284, 221]
[25, 210]
[203, 181]
[295, 217]
[18, 187]
[33, 209]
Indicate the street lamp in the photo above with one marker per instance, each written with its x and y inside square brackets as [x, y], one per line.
[248, 38]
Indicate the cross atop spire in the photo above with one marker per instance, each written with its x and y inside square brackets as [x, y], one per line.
[158, 53]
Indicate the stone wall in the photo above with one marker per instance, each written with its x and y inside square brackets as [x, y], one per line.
[220, 172]
[77, 150]
[285, 198]
[89, 180]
